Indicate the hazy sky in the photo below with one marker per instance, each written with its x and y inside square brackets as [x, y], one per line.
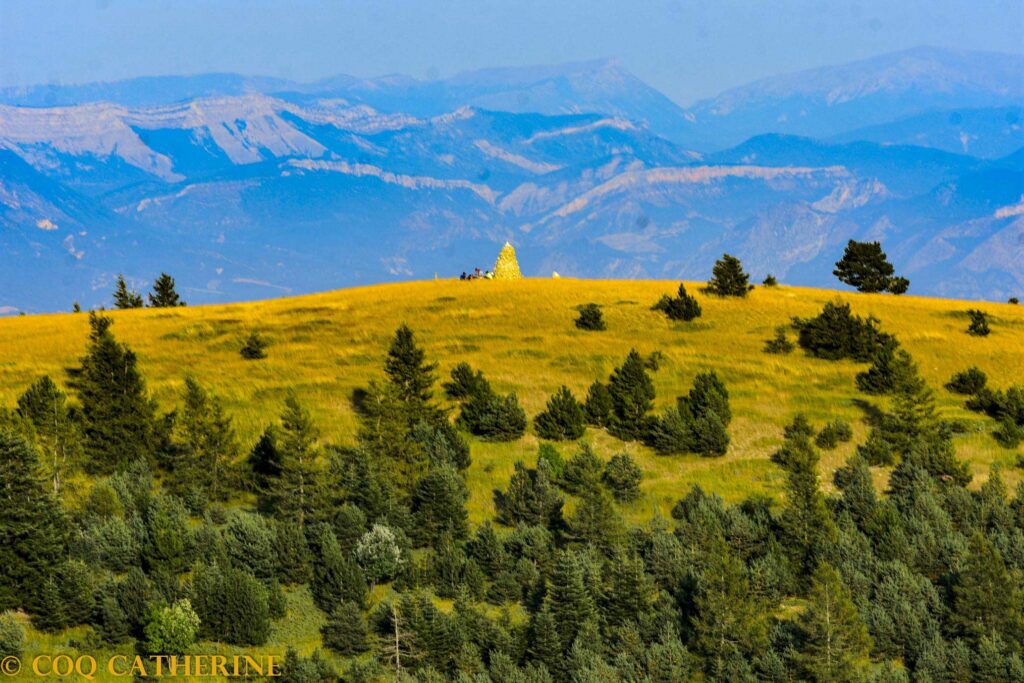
[687, 49]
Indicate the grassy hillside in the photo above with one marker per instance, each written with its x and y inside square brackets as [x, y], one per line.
[521, 334]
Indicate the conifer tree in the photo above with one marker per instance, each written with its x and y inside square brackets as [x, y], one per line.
[708, 394]
[629, 593]
[118, 420]
[632, 393]
[598, 407]
[164, 295]
[891, 369]
[32, 527]
[531, 498]
[124, 297]
[622, 476]
[50, 616]
[407, 368]
[45, 406]
[544, 643]
[836, 642]
[728, 277]
[296, 490]
[386, 434]
[336, 577]
[683, 306]
[562, 418]
[232, 605]
[464, 383]
[439, 505]
[345, 631]
[254, 347]
[730, 619]
[571, 604]
[265, 465]
[979, 326]
[806, 522]
[779, 344]
[207, 444]
[865, 267]
[988, 599]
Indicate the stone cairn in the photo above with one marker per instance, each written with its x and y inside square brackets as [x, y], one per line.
[507, 267]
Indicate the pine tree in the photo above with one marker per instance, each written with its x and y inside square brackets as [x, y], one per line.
[806, 522]
[32, 528]
[50, 616]
[232, 605]
[595, 521]
[622, 476]
[891, 369]
[730, 619]
[728, 277]
[632, 393]
[296, 490]
[562, 418]
[207, 444]
[599, 406]
[124, 297]
[118, 420]
[708, 394]
[465, 383]
[345, 631]
[164, 294]
[987, 598]
[570, 603]
[779, 344]
[439, 505]
[544, 643]
[531, 498]
[45, 406]
[336, 577]
[836, 642]
[968, 382]
[865, 267]
[386, 434]
[407, 369]
[629, 593]
[265, 465]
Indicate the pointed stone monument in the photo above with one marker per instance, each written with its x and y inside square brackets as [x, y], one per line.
[507, 267]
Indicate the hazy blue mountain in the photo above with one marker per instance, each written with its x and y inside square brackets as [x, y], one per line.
[987, 133]
[832, 100]
[249, 194]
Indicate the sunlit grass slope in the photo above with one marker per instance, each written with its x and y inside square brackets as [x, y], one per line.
[521, 334]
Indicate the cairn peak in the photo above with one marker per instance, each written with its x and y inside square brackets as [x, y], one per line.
[507, 267]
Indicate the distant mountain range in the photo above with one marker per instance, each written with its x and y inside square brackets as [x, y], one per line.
[245, 187]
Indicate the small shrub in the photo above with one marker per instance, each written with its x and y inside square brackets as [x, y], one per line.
[562, 419]
[968, 382]
[171, 630]
[493, 417]
[899, 285]
[681, 307]
[834, 433]
[779, 343]
[979, 323]
[1009, 434]
[1013, 300]
[591, 318]
[654, 360]
[770, 281]
[549, 454]
[622, 477]
[254, 347]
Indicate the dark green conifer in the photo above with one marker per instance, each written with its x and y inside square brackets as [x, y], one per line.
[632, 393]
[407, 368]
[728, 277]
[562, 418]
[124, 297]
[439, 505]
[32, 527]
[345, 631]
[836, 642]
[164, 295]
[622, 476]
[336, 577]
[599, 406]
[118, 418]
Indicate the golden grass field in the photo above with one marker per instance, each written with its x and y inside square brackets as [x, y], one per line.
[521, 334]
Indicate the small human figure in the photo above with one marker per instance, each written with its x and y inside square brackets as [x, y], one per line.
[463, 276]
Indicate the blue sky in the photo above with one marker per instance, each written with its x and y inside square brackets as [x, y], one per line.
[686, 49]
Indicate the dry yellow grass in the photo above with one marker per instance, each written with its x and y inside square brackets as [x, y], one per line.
[521, 334]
